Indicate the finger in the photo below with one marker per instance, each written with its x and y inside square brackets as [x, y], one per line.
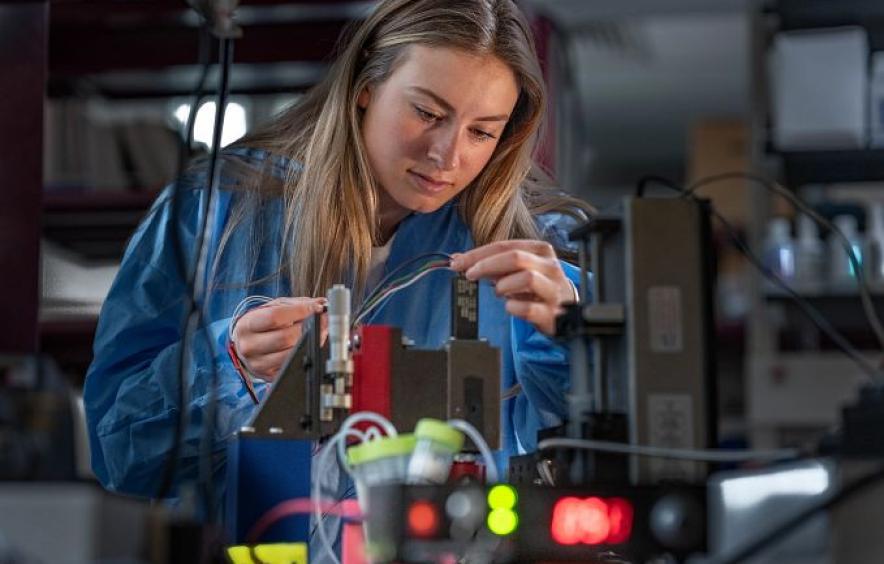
[253, 345]
[323, 326]
[279, 314]
[540, 314]
[529, 283]
[463, 261]
[268, 366]
[502, 264]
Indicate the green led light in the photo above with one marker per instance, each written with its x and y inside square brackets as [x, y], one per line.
[502, 496]
[502, 521]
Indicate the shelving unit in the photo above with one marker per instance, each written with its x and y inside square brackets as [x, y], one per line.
[147, 50]
[796, 381]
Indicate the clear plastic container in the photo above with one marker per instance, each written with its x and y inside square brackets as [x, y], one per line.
[842, 272]
[779, 249]
[380, 461]
[875, 242]
[437, 443]
[810, 256]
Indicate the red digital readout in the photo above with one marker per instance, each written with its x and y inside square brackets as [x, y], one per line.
[591, 521]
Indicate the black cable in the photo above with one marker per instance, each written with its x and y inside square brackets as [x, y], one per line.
[772, 537]
[171, 464]
[806, 307]
[205, 463]
[777, 188]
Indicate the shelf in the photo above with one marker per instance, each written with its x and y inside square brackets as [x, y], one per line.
[97, 224]
[161, 34]
[97, 201]
[825, 292]
[826, 167]
[805, 14]
[245, 79]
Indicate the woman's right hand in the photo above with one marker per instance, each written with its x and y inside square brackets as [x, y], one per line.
[264, 336]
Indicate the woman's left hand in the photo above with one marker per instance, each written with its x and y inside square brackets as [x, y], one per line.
[526, 273]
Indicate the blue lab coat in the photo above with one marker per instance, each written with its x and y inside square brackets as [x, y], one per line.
[131, 390]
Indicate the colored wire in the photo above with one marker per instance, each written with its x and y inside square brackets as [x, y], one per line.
[396, 285]
[396, 274]
[242, 308]
[699, 455]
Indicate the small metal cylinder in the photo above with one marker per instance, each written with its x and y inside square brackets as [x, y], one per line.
[339, 361]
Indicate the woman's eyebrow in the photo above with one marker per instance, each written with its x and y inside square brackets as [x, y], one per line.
[449, 108]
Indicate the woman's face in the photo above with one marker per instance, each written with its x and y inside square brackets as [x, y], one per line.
[432, 126]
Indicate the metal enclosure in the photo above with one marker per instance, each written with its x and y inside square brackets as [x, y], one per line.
[669, 327]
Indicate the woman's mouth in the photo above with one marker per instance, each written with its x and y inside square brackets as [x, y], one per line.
[428, 183]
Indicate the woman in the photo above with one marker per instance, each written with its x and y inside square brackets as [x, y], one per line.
[420, 139]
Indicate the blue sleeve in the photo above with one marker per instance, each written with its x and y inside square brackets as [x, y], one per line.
[541, 363]
[543, 370]
[131, 392]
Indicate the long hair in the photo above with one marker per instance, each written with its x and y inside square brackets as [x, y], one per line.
[331, 198]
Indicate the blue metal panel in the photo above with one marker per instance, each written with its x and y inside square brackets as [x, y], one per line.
[261, 473]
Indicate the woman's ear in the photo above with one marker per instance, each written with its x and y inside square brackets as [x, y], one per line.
[364, 97]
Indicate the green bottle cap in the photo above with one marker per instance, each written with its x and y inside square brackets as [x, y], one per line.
[380, 448]
[439, 431]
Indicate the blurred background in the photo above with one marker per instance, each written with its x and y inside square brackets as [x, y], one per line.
[94, 94]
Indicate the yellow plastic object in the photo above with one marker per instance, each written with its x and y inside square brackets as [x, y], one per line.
[280, 553]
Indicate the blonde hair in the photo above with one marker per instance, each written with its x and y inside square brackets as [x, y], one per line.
[330, 200]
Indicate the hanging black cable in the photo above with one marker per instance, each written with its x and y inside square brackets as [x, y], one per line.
[184, 271]
[805, 306]
[202, 245]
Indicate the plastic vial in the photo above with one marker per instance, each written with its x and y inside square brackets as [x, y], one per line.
[437, 443]
[379, 461]
[779, 250]
[810, 255]
[841, 267]
[875, 239]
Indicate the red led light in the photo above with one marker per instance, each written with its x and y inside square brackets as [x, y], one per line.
[423, 519]
[591, 521]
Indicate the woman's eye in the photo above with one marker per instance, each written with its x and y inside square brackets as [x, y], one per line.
[483, 135]
[425, 115]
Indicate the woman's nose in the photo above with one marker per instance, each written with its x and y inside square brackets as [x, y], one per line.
[443, 149]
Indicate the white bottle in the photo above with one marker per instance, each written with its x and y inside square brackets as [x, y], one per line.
[810, 256]
[875, 243]
[841, 269]
[779, 250]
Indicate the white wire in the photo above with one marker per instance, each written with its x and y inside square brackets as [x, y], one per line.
[316, 495]
[359, 417]
[317, 501]
[393, 290]
[479, 441]
[700, 455]
[242, 307]
[545, 473]
[338, 444]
